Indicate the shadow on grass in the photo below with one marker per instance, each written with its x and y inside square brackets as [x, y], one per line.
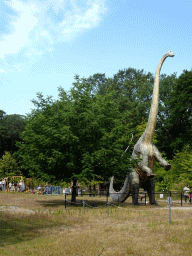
[16, 229]
[79, 202]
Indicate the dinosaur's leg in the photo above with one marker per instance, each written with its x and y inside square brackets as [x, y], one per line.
[151, 190]
[135, 187]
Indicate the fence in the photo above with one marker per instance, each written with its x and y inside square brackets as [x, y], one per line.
[169, 201]
[177, 197]
[84, 204]
[49, 190]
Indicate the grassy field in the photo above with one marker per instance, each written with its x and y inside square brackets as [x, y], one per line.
[52, 230]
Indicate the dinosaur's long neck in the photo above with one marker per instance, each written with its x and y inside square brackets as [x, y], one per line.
[150, 129]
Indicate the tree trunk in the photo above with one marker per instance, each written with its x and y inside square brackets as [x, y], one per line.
[74, 192]
[90, 190]
[94, 189]
[99, 189]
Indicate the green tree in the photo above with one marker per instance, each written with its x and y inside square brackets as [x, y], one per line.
[79, 137]
[181, 171]
[10, 128]
[97, 83]
[8, 166]
[179, 123]
[164, 134]
[133, 92]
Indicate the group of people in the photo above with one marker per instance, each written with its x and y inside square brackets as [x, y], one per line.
[13, 186]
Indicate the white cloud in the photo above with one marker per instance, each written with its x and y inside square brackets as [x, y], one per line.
[79, 21]
[19, 67]
[20, 28]
[2, 70]
[56, 5]
[35, 31]
[31, 52]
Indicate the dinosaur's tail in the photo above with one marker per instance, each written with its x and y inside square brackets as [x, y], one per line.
[123, 194]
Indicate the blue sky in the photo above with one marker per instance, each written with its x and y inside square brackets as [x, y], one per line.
[44, 43]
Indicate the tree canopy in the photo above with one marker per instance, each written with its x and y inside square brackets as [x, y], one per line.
[81, 136]
[10, 128]
[8, 166]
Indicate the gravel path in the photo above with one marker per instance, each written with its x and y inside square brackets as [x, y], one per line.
[20, 209]
[17, 209]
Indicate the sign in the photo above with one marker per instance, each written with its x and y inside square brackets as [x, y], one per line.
[161, 195]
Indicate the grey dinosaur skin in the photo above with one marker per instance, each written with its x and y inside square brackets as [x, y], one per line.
[142, 175]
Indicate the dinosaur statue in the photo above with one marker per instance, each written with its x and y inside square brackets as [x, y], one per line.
[144, 149]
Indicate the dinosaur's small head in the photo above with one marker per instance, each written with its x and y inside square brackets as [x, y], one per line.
[170, 54]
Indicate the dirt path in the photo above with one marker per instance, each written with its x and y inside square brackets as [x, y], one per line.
[16, 209]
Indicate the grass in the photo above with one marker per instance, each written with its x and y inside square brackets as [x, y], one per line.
[130, 230]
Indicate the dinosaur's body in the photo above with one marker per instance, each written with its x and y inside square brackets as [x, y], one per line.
[142, 175]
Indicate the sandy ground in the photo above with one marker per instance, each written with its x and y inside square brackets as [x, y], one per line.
[17, 209]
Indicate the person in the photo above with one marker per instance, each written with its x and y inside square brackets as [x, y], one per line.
[20, 185]
[1, 186]
[4, 184]
[186, 191]
[39, 189]
[10, 184]
[45, 190]
[79, 192]
[15, 186]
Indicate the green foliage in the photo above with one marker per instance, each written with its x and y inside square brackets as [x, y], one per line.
[178, 125]
[10, 128]
[164, 137]
[163, 178]
[80, 137]
[180, 173]
[165, 185]
[33, 182]
[64, 184]
[8, 166]
[133, 90]
[181, 168]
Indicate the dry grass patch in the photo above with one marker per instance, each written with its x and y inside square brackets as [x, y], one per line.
[143, 230]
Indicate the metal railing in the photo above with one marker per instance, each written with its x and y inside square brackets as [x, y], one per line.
[177, 196]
